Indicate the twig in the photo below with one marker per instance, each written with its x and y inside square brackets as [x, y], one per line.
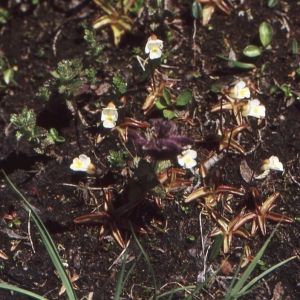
[118, 258]
[55, 40]
[29, 235]
[293, 178]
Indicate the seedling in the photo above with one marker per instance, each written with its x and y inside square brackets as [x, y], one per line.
[6, 71]
[170, 106]
[95, 48]
[119, 85]
[265, 35]
[4, 16]
[117, 158]
[67, 77]
[38, 136]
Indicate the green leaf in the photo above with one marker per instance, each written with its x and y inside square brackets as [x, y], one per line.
[8, 76]
[184, 98]
[216, 247]
[48, 243]
[216, 88]
[16, 289]
[272, 3]
[161, 103]
[287, 90]
[54, 135]
[196, 10]
[238, 64]
[252, 51]
[265, 33]
[238, 290]
[169, 114]
[294, 47]
[167, 96]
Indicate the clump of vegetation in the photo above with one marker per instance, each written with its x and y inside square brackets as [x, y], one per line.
[159, 147]
[28, 130]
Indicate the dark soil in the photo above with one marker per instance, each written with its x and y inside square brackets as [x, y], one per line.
[36, 39]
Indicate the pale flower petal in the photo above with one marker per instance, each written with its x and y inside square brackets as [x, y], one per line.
[272, 163]
[154, 47]
[240, 91]
[254, 109]
[83, 163]
[109, 116]
[187, 158]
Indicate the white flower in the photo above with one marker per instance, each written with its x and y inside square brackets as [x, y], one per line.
[272, 163]
[109, 116]
[254, 109]
[187, 158]
[240, 91]
[83, 163]
[154, 46]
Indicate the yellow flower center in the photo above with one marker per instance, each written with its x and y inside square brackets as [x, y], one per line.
[79, 163]
[243, 92]
[154, 49]
[256, 110]
[187, 160]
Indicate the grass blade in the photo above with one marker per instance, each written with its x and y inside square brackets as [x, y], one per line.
[16, 289]
[147, 260]
[263, 274]
[234, 292]
[175, 291]
[49, 244]
[119, 286]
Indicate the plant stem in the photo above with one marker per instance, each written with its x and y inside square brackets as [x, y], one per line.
[152, 75]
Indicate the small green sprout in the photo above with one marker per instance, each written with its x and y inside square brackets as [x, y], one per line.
[120, 86]
[117, 158]
[91, 75]
[44, 93]
[26, 123]
[95, 48]
[185, 209]
[27, 129]
[266, 36]
[53, 134]
[6, 71]
[262, 265]
[68, 77]
[191, 238]
[287, 91]
[169, 107]
[4, 16]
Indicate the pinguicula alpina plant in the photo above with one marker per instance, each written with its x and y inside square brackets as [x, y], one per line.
[109, 116]
[153, 47]
[235, 100]
[272, 163]
[239, 91]
[254, 109]
[83, 164]
[187, 158]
